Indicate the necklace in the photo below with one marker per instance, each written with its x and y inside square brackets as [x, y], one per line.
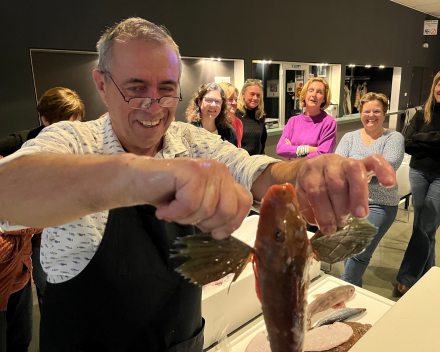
[372, 139]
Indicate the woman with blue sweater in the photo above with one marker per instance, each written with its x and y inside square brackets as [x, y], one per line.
[383, 202]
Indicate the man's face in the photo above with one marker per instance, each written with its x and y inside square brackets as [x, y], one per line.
[140, 69]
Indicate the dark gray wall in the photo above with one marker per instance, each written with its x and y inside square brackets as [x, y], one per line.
[74, 71]
[338, 31]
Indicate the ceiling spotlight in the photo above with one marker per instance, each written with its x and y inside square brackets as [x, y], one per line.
[269, 62]
[367, 66]
[219, 59]
[264, 61]
[212, 59]
[351, 65]
[381, 66]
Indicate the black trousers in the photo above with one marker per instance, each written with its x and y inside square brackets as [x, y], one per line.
[16, 322]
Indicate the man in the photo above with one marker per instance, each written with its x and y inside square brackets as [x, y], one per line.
[111, 284]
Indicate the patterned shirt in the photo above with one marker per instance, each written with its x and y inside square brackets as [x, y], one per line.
[67, 249]
[390, 145]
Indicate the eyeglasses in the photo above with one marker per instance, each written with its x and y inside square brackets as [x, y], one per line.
[375, 112]
[145, 102]
[210, 101]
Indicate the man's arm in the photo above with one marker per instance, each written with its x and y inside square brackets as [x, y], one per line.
[44, 190]
[329, 187]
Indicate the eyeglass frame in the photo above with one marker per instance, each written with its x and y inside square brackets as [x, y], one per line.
[368, 112]
[213, 101]
[151, 99]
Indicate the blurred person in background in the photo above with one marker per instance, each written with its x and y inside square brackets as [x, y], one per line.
[208, 108]
[250, 110]
[55, 105]
[232, 98]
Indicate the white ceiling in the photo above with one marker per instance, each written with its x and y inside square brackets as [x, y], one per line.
[431, 7]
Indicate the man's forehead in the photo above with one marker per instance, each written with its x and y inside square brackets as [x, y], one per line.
[137, 56]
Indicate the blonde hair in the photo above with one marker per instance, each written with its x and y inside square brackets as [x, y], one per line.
[430, 103]
[228, 88]
[259, 113]
[60, 104]
[223, 120]
[327, 92]
[133, 28]
[381, 98]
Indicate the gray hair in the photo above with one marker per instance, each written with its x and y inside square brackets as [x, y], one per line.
[133, 28]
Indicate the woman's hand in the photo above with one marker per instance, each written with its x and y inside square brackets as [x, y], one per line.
[286, 141]
[312, 149]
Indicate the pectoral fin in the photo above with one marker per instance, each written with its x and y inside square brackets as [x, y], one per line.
[345, 243]
[210, 259]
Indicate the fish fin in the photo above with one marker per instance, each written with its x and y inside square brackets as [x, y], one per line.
[345, 243]
[210, 259]
[340, 305]
[257, 279]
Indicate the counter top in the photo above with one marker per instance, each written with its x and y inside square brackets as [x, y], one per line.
[412, 324]
[339, 121]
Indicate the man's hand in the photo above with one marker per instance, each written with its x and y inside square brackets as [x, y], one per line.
[193, 191]
[331, 187]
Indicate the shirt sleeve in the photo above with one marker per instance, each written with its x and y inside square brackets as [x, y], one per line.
[412, 147]
[263, 137]
[286, 150]
[394, 150]
[327, 140]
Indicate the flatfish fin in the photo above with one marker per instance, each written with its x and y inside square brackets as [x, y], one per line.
[345, 243]
[210, 259]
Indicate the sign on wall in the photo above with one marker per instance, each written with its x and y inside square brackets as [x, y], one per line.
[222, 79]
[430, 27]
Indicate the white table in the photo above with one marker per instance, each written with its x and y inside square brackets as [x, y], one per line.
[412, 324]
[376, 306]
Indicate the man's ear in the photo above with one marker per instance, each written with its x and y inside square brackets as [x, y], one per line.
[44, 121]
[100, 83]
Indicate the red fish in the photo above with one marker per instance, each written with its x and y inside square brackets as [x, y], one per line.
[281, 257]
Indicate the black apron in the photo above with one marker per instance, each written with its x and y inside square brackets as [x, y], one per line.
[128, 298]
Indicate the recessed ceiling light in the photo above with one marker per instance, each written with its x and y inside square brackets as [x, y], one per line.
[367, 66]
[219, 59]
[381, 66]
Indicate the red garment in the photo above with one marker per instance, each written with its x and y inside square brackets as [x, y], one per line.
[238, 127]
[15, 262]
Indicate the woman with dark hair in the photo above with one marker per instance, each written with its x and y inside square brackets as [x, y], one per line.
[422, 142]
[208, 108]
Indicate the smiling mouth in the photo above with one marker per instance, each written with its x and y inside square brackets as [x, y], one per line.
[150, 124]
[372, 120]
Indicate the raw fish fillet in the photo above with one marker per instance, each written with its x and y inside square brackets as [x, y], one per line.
[327, 337]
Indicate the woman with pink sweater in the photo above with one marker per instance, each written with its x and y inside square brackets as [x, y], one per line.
[313, 132]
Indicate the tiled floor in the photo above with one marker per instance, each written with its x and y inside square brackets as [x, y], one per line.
[379, 278]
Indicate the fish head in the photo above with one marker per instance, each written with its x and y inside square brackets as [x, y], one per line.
[282, 234]
[349, 291]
